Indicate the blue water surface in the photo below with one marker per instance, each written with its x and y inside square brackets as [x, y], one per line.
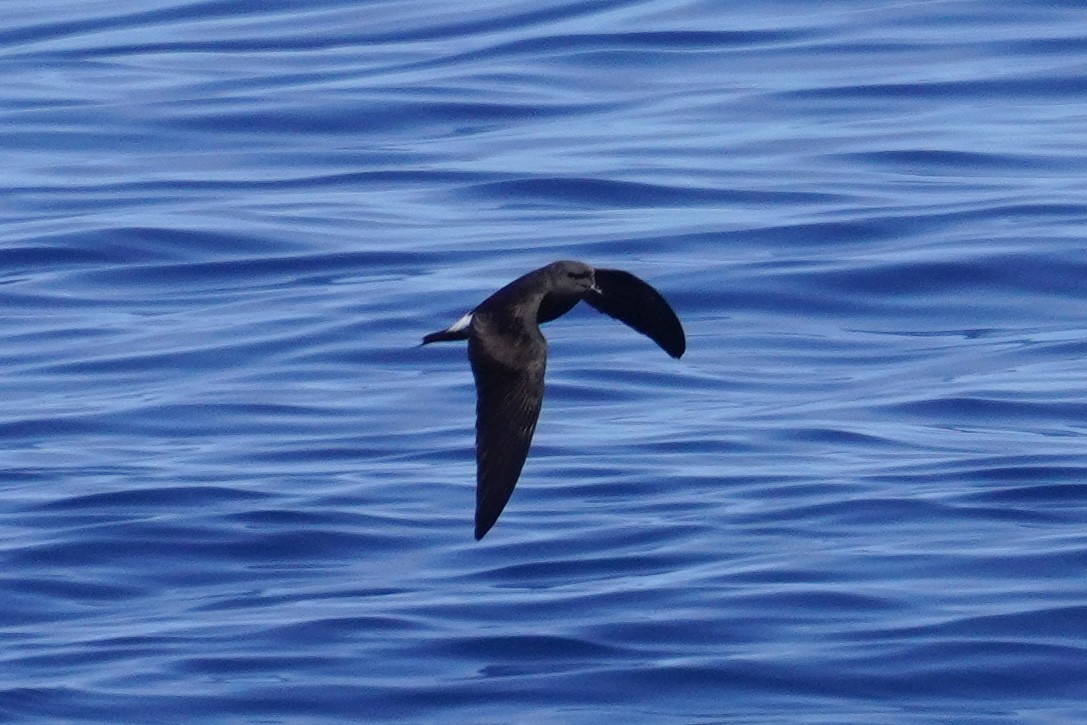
[233, 488]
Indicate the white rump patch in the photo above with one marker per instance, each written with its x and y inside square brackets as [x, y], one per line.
[461, 324]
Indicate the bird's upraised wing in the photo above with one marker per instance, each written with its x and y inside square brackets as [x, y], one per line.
[637, 304]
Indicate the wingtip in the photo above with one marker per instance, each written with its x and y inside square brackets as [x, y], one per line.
[672, 341]
[485, 523]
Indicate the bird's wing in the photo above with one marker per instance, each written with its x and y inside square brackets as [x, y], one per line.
[508, 404]
[637, 304]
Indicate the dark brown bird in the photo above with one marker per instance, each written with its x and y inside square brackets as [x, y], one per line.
[509, 355]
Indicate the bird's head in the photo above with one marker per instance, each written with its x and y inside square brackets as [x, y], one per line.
[573, 278]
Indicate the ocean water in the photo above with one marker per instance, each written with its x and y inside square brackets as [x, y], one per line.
[233, 488]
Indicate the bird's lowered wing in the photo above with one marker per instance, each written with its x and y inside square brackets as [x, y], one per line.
[508, 405]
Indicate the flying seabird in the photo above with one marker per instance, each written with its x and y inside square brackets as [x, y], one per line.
[508, 354]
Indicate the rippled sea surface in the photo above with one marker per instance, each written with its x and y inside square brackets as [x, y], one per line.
[233, 488]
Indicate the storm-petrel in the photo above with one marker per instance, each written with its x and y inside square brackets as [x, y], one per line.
[509, 354]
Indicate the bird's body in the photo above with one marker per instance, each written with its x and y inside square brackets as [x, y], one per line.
[508, 354]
